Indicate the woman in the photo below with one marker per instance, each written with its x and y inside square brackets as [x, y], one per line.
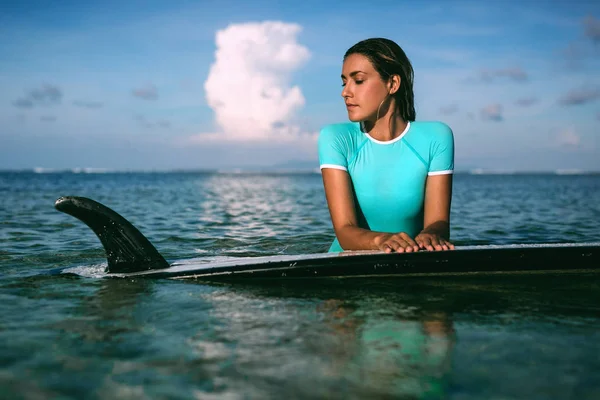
[387, 178]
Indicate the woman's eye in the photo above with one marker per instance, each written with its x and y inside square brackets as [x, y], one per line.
[358, 82]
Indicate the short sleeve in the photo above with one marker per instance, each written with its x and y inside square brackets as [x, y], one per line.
[442, 157]
[331, 149]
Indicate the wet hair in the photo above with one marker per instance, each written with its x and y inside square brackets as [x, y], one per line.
[389, 59]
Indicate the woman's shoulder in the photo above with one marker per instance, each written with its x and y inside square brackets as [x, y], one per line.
[341, 128]
[433, 127]
[342, 134]
[431, 131]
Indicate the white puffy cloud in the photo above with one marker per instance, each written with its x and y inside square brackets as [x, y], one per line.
[248, 85]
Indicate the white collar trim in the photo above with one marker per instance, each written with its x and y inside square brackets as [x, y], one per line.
[362, 128]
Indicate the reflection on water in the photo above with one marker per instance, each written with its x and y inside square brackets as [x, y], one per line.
[388, 356]
[337, 339]
[107, 314]
[343, 342]
[411, 338]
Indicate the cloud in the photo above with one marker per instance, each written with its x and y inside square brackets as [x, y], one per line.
[568, 137]
[591, 30]
[23, 103]
[449, 109]
[47, 118]
[163, 123]
[147, 92]
[88, 104]
[152, 124]
[580, 96]
[515, 74]
[577, 52]
[248, 85]
[492, 112]
[526, 101]
[45, 95]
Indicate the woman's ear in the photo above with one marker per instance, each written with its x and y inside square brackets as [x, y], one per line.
[394, 84]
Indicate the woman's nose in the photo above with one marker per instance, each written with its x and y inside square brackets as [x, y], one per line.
[345, 92]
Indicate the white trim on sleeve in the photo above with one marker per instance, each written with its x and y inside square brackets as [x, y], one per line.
[446, 172]
[333, 166]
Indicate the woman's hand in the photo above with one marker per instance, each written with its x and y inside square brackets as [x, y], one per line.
[433, 241]
[396, 243]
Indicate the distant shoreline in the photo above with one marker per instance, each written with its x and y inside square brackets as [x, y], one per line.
[267, 170]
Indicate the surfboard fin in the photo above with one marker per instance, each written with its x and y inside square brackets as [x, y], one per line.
[127, 249]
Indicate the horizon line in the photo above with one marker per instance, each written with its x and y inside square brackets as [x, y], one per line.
[272, 169]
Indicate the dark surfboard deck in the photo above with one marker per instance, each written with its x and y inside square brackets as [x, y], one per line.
[130, 254]
[534, 258]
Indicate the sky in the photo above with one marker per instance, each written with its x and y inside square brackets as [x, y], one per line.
[163, 85]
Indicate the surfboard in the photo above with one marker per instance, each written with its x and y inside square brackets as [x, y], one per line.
[130, 254]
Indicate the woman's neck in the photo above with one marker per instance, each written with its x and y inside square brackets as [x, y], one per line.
[383, 129]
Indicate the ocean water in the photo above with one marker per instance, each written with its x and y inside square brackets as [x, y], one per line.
[67, 336]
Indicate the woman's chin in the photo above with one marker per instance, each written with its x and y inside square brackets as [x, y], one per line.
[354, 117]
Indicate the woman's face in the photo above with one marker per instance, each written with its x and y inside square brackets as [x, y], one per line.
[364, 90]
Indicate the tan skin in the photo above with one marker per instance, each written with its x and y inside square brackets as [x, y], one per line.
[368, 99]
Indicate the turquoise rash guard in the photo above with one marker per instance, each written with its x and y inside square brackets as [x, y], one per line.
[388, 177]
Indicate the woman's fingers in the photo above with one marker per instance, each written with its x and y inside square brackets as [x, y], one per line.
[446, 245]
[396, 245]
[403, 243]
[414, 246]
[425, 243]
[400, 244]
[434, 242]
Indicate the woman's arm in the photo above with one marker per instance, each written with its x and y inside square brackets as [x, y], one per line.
[340, 200]
[436, 218]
